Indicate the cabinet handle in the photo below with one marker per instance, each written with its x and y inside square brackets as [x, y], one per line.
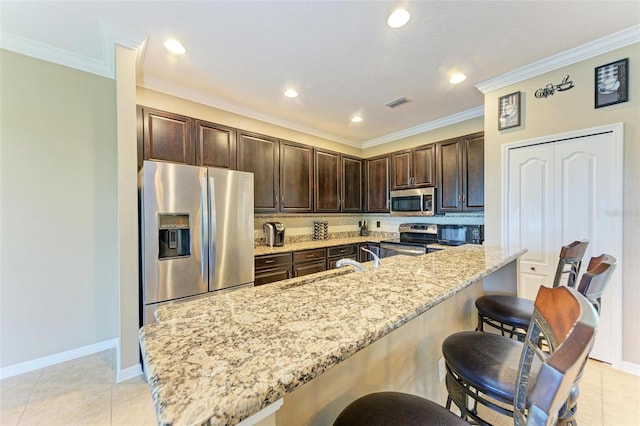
[288, 275]
[270, 261]
[464, 197]
[309, 255]
[533, 268]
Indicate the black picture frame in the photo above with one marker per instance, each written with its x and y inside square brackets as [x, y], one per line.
[611, 83]
[509, 111]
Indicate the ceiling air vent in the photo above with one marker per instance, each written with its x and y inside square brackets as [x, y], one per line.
[397, 102]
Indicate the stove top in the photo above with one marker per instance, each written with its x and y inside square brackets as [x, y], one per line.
[419, 234]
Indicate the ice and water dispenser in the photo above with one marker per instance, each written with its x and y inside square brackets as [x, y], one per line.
[174, 236]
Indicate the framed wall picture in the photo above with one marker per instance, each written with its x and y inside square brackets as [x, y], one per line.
[611, 83]
[509, 111]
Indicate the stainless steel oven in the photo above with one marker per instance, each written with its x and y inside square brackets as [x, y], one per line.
[414, 240]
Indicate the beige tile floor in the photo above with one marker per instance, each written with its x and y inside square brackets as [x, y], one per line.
[84, 392]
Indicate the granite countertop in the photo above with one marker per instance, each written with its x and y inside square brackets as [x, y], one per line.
[220, 359]
[314, 244]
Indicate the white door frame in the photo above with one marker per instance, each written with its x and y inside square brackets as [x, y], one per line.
[617, 130]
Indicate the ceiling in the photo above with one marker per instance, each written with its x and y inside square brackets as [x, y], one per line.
[340, 56]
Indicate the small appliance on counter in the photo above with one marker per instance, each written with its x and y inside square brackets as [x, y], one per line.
[456, 235]
[274, 234]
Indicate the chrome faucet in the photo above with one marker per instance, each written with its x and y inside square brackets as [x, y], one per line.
[342, 262]
[376, 259]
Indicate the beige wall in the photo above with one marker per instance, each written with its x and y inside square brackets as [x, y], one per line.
[568, 111]
[59, 265]
[182, 106]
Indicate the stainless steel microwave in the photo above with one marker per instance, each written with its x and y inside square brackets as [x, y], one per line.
[413, 202]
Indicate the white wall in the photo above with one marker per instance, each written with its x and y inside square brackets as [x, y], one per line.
[59, 265]
[563, 112]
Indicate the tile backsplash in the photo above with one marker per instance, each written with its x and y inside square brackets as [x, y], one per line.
[299, 227]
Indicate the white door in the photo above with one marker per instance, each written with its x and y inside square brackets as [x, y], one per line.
[559, 190]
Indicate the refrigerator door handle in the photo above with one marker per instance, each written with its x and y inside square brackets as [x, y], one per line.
[212, 231]
[204, 238]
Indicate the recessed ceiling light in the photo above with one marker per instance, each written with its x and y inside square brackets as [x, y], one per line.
[291, 93]
[174, 46]
[356, 119]
[398, 18]
[457, 78]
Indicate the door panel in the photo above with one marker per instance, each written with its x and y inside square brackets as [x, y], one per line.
[529, 212]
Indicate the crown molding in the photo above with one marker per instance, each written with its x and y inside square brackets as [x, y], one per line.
[425, 127]
[180, 91]
[58, 56]
[104, 66]
[589, 50]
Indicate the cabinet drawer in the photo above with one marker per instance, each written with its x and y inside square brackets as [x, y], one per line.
[342, 251]
[272, 260]
[307, 268]
[331, 263]
[308, 255]
[271, 275]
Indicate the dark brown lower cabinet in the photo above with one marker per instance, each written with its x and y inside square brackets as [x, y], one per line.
[334, 254]
[307, 262]
[363, 256]
[272, 267]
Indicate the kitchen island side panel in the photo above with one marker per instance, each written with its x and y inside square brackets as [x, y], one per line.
[405, 360]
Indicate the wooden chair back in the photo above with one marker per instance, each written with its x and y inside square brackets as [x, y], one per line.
[569, 263]
[568, 322]
[595, 281]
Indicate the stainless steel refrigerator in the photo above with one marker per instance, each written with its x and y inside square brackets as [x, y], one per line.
[196, 232]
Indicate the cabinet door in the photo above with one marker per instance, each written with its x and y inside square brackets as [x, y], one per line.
[424, 166]
[366, 257]
[296, 178]
[351, 184]
[473, 177]
[167, 136]
[260, 155]
[401, 170]
[377, 184]
[327, 181]
[215, 145]
[449, 192]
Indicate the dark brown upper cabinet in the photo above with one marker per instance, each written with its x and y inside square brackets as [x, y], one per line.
[296, 177]
[461, 174]
[260, 155]
[337, 182]
[377, 184]
[352, 184]
[215, 145]
[165, 136]
[414, 168]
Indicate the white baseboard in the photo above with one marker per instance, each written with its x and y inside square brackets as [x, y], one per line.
[25, 367]
[630, 367]
[129, 373]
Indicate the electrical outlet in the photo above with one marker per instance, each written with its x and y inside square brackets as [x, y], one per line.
[441, 369]
[378, 224]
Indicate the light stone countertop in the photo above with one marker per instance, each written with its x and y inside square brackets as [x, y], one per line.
[220, 359]
[314, 244]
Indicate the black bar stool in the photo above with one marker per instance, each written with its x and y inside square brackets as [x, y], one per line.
[483, 367]
[563, 315]
[510, 314]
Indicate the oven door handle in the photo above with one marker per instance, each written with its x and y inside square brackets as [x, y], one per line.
[403, 250]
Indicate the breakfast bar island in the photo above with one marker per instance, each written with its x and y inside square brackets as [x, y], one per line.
[297, 352]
